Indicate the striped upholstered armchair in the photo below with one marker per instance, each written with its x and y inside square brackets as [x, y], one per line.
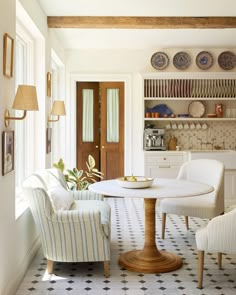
[75, 228]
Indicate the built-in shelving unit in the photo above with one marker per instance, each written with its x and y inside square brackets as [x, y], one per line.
[177, 94]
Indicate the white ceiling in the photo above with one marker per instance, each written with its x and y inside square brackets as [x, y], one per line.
[140, 39]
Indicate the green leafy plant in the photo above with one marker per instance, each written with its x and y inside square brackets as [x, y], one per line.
[80, 179]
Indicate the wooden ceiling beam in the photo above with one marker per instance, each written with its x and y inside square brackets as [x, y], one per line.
[130, 22]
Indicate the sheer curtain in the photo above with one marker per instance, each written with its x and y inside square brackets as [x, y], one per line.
[88, 110]
[112, 115]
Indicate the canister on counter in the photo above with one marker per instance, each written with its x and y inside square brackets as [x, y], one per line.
[172, 143]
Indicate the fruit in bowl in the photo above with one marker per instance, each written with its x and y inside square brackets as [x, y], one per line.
[132, 178]
[135, 181]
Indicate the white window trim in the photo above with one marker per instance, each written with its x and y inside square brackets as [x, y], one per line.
[38, 76]
[20, 203]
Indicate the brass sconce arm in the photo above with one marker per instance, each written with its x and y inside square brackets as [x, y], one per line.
[58, 109]
[53, 120]
[7, 117]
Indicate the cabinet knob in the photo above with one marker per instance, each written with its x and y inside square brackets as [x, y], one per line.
[96, 146]
[164, 158]
[103, 147]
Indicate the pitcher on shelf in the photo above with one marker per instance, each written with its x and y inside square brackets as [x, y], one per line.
[219, 110]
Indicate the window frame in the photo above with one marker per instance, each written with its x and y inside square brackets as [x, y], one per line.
[24, 130]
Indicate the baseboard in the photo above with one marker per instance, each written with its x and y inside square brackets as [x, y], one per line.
[21, 269]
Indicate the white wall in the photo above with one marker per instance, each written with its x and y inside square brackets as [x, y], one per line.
[19, 239]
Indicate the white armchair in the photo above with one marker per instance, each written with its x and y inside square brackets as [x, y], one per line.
[80, 233]
[205, 206]
[218, 236]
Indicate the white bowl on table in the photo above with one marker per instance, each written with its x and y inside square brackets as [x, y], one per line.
[140, 182]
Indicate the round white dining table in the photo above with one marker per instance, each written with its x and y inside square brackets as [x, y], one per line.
[150, 259]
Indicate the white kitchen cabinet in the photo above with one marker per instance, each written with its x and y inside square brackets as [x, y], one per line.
[230, 187]
[163, 164]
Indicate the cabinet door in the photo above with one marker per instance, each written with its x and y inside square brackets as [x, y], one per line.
[230, 186]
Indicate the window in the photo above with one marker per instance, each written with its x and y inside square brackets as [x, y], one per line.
[58, 129]
[30, 133]
[24, 135]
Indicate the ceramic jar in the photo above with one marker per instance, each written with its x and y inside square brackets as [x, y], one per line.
[172, 143]
[219, 110]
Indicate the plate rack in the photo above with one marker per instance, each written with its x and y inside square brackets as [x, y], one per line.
[189, 88]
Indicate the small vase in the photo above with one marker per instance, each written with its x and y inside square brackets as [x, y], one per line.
[219, 110]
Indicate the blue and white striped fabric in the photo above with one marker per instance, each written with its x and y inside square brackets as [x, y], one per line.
[76, 235]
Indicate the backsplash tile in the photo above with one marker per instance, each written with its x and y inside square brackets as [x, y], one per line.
[221, 134]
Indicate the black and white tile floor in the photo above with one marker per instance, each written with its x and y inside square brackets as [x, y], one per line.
[128, 233]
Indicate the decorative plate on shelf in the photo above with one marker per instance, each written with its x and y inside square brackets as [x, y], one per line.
[135, 181]
[159, 60]
[182, 60]
[204, 60]
[227, 60]
[196, 109]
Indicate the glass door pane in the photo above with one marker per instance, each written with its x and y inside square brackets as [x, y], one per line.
[88, 109]
[113, 115]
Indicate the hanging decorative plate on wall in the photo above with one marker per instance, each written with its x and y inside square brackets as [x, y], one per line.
[227, 60]
[204, 60]
[159, 60]
[182, 60]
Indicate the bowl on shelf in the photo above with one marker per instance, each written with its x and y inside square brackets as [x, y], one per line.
[211, 115]
[134, 181]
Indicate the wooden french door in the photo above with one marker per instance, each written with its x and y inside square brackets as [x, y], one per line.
[100, 126]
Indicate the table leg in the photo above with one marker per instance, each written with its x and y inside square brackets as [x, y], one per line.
[150, 259]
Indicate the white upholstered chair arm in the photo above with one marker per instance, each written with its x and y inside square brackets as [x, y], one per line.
[202, 239]
[91, 219]
[67, 216]
[86, 195]
[219, 235]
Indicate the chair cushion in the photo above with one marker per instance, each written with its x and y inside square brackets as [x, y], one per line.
[60, 198]
[190, 206]
[91, 205]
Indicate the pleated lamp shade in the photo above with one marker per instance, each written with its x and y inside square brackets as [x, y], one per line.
[26, 98]
[58, 108]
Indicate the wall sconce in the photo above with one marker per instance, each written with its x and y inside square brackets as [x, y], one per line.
[58, 109]
[26, 100]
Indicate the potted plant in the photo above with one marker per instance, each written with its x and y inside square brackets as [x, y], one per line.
[79, 179]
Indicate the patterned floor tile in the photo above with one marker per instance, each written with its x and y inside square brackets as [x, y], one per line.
[128, 233]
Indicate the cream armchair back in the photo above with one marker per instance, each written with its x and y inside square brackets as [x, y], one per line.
[207, 171]
[218, 236]
[79, 234]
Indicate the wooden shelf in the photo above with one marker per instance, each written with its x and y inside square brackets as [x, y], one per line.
[189, 98]
[190, 119]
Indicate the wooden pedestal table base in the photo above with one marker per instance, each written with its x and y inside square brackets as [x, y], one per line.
[150, 259]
